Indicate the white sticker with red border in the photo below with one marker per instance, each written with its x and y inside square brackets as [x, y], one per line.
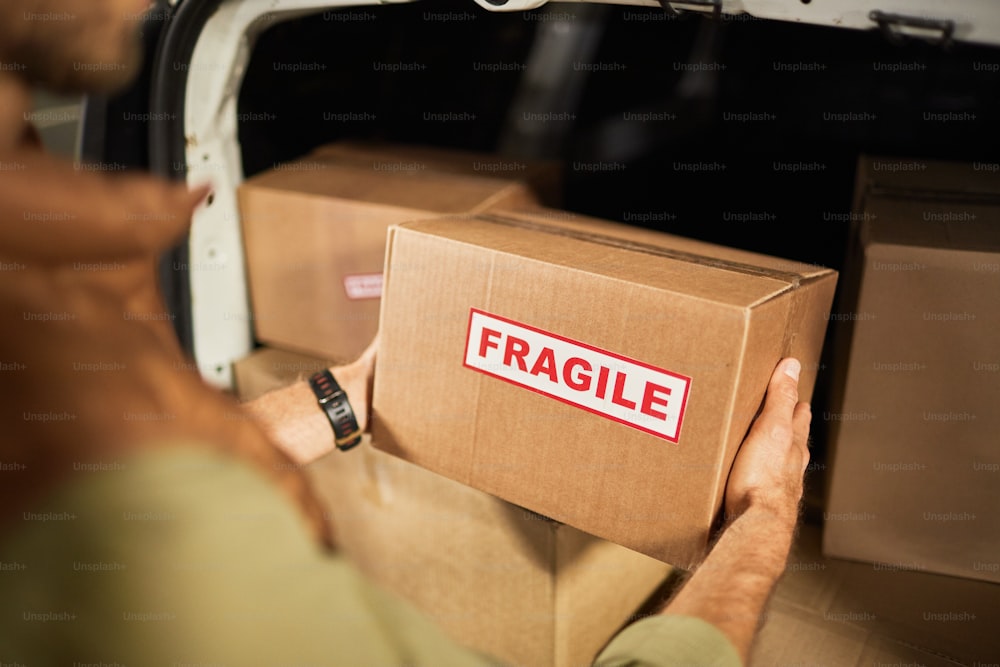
[624, 390]
[363, 286]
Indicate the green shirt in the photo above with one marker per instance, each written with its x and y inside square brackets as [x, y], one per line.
[182, 556]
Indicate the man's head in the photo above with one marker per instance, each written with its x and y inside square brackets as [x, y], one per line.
[72, 45]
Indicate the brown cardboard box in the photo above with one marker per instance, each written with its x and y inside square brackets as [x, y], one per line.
[495, 577]
[594, 373]
[314, 232]
[916, 468]
[268, 368]
[543, 176]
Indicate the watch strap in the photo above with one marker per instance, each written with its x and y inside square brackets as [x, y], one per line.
[333, 400]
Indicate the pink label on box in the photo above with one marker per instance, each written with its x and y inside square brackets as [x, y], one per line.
[363, 286]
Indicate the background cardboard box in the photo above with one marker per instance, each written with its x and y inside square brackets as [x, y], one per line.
[268, 368]
[721, 317]
[916, 466]
[314, 232]
[495, 577]
[544, 176]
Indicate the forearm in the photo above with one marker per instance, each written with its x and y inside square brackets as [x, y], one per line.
[731, 588]
[295, 422]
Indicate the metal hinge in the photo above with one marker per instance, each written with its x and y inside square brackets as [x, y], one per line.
[897, 27]
[679, 7]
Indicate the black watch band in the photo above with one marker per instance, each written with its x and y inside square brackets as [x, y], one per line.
[338, 409]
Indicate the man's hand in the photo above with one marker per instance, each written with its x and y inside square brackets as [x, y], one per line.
[770, 465]
[98, 371]
[296, 423]
[731, 587]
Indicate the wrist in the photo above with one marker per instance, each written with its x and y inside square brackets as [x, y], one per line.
[354, 381]
[779, 504]
[295, 421]
[776, 524]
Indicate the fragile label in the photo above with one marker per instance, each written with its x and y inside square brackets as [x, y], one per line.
[363, 286]
[624, 390]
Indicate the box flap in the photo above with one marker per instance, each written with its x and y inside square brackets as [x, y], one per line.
[716, 279]
[928, 179]
[399, 183]
[573, 222]
[446, 160]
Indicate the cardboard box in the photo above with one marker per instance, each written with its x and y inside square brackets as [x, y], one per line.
[268, 368]
[543, 176]
[314, 232]
[495, 577]
[916, 460]
[600, 375]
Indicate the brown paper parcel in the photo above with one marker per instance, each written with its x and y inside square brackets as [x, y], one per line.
[600, 375]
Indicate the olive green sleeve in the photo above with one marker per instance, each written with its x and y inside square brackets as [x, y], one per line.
[181, 556]
[670, 641]
[185, 557]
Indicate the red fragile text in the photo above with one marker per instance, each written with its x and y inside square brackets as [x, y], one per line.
[628, 391]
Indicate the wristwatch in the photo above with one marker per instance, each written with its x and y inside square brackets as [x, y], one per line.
[338, 409]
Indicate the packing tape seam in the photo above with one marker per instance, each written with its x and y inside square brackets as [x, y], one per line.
[691, 258]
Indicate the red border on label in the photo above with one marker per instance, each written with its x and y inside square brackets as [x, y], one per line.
[687, 386]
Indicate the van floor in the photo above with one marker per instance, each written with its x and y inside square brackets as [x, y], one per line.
[828, 611]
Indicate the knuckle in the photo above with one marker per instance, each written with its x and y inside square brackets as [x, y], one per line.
[788, 392]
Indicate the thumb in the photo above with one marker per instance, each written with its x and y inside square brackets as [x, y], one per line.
[775, 419]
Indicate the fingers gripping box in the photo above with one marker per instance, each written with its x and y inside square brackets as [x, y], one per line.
[600, 375]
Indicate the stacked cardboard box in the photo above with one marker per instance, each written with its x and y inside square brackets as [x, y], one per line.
[916, 470]
[495, 577]
[314, 232]
[268, 368]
